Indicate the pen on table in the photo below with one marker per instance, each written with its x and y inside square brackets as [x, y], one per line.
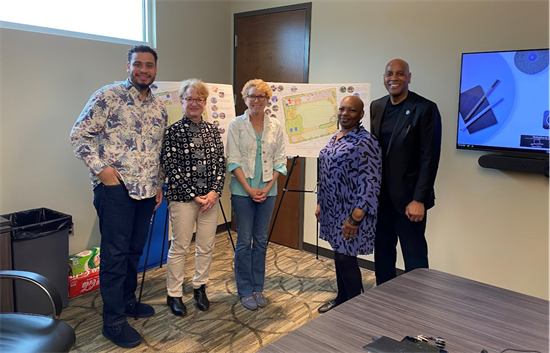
[481, 100]
[474, 119]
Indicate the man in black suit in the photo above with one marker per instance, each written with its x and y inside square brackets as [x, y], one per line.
[408, 127]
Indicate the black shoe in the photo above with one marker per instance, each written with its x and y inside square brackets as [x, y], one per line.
[202, 300]
[331, 304]
[122, 335]
[176, 305]
[145, 310]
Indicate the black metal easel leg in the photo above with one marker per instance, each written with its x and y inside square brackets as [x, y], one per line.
[317, 241]
[294, 159]
[318, 224]
[145, 265]
[226, 225]
[165, 236]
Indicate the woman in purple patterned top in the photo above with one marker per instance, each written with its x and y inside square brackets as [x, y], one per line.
[350, 170]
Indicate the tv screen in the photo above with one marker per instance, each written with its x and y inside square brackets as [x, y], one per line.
[504, 101]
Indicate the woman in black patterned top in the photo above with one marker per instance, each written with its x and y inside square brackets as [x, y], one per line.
[194, 162]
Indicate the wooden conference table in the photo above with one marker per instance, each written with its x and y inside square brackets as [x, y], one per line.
[469, 315]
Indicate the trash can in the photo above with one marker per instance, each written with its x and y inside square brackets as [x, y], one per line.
[40, 244]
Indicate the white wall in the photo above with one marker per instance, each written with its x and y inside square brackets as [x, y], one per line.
[47, 80]
[488, 225]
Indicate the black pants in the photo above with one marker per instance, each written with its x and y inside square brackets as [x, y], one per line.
[124, 225]
[393, 225]
[348, 277]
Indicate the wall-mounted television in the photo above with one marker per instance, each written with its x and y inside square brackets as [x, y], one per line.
[504, 101]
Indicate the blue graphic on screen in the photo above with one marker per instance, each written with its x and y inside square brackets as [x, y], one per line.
[504, 101]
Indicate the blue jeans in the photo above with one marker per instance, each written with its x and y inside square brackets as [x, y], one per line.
[124, 225]
[253, 220]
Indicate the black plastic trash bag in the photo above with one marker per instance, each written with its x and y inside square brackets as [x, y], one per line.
[37, 222]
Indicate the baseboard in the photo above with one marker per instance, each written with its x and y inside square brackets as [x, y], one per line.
[328, 253]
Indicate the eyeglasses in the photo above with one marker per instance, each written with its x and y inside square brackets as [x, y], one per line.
[197, 100]
[260, 98]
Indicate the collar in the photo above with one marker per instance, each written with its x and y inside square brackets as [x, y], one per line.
[250, 128]
[352, 134]
[247, 114]
[135, 92]
[186, 120]
[354, 131]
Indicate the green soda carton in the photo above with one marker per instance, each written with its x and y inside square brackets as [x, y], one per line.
[83, 261]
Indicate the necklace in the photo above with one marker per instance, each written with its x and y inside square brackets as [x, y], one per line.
[258, 124]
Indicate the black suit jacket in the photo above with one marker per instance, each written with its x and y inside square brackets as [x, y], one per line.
[411, 162]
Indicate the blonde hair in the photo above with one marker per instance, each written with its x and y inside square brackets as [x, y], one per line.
[200, 87]
[259, 84]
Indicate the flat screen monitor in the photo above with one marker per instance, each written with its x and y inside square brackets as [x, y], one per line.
[504, 101]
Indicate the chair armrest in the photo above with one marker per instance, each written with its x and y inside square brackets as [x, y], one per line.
[45, 284]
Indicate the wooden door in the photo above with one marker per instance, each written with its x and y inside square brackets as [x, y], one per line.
[273, 45]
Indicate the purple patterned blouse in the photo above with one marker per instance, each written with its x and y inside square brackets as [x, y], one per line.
[350, 173]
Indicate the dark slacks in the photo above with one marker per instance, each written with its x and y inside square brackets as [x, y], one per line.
[348, 277]
[124, 225]
[391, 226]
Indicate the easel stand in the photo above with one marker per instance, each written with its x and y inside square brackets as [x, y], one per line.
[285, 190]
[165, 232]
[227, 225]
[152, 224]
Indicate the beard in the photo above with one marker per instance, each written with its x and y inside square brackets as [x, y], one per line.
[141, 85]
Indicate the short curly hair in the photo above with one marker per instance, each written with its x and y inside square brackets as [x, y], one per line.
[259, 84]
[200, 87]
[141, 49]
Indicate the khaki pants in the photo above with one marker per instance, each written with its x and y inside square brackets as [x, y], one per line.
[184, 216]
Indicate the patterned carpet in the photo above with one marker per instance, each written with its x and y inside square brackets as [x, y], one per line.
[296, 285]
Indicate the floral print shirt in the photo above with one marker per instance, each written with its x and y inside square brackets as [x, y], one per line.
[117, 129]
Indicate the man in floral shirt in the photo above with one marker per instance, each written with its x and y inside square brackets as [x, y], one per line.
[119, 136]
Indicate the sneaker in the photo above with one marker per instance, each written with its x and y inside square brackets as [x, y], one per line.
[249, 302]
[145, 310]
[122, 335]
[260, 299]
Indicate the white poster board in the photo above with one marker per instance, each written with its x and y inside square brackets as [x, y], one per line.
[309, 113]
[219, 110]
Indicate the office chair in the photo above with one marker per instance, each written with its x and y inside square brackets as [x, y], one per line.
[23, 332]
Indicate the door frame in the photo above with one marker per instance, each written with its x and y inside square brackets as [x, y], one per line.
[305, 6]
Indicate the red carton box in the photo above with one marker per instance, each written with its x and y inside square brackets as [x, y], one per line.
[84, 282]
